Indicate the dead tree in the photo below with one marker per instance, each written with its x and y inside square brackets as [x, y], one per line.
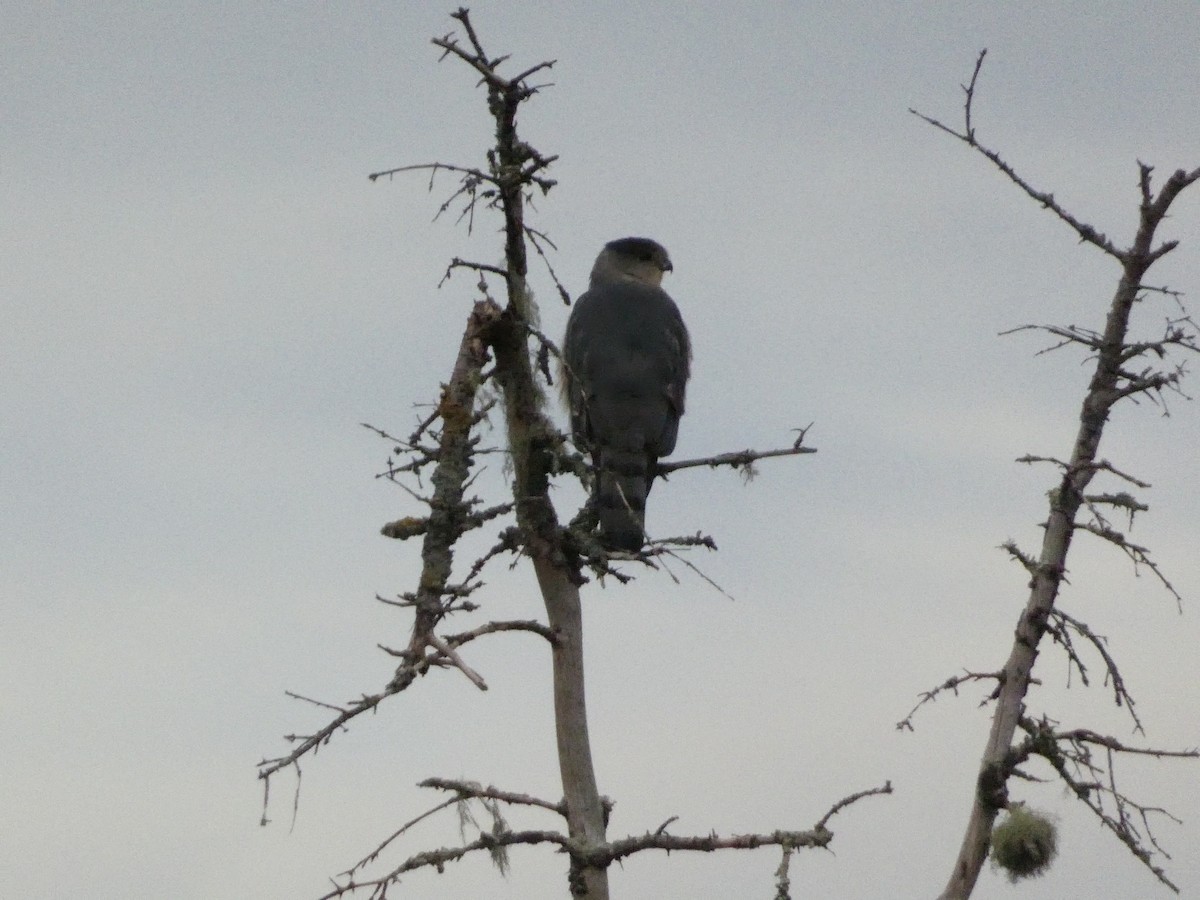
[502, 354]
[1124, 368]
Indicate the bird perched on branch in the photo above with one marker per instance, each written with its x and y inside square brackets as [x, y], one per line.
[626, 357]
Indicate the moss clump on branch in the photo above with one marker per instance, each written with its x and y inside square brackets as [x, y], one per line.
[1024, 844]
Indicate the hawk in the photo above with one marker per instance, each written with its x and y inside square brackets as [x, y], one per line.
[626, 358]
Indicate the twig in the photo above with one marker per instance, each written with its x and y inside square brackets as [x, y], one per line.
[1061, 632]
[661, 548]
[451, 654]
[740, 459]
[438, 859]
[1086, 232]
[818, 836]
[434, 167]
[374, 854]
[475, 790]
[950, 684]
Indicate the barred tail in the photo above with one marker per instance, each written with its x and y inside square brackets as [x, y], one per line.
[623, 482]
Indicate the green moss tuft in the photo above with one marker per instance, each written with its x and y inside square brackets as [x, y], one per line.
[1024, 844]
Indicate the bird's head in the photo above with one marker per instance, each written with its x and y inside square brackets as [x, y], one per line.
[632, 259]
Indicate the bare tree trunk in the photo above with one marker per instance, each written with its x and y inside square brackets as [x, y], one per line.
[585, 811]
[513, 169]
[529, 434]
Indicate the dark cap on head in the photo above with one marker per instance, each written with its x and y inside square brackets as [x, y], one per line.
[643, 249]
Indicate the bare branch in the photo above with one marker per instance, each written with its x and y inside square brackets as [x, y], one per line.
[818, 836]
[457, 661]
[1086, 735]
[782, 882]
[537, 238]
[434, 167]
[1060, 631]
[374, 854]
[1070, 754]
[510, 542]
[741, 459]
[481, 268]
[1105, 466]
[295, 696]
[409, 526]
[596, 856]
[1030, 564]
[853, 798]
[1086, 232]
[441, 529]
[1072, 334]
[1139, 555]
[473, 789]
[437, 859]
[661, 549]
[950, 684]
[307, 743]
[457, 640]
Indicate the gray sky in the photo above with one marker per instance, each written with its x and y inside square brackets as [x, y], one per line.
[203, 296]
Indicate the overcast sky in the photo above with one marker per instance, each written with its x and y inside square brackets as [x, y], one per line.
[203, 296]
